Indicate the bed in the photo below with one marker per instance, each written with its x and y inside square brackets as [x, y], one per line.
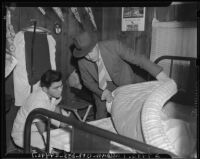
[145, 121]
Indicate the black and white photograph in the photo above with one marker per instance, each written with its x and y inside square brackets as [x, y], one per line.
[133, 18]
[95, 81]
[133, 12]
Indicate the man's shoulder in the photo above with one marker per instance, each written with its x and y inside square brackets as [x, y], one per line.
[110, 46]
[38, 92]
[36, 97]
[84, 61]
[109, 42]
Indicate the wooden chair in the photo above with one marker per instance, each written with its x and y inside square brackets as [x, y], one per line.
[76, 105]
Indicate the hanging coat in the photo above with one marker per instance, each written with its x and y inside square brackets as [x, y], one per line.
[20, 76]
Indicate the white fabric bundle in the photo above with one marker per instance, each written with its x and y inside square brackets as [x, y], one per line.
[107, 124]
[151, 119]
[137, 112]
[127, 106]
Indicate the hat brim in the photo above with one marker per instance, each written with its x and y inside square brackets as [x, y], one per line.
[81, 52]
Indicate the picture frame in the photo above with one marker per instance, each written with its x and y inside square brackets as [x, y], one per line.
[133, 18]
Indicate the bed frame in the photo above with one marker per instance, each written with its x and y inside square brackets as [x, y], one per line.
[86, 138]
[189, 95]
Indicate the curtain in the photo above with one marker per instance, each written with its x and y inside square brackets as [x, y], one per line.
[173, 38]
[177, 39]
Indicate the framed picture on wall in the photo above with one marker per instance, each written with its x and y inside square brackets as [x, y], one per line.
[133, 18]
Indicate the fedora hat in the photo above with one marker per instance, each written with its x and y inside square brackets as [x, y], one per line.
[84, 43]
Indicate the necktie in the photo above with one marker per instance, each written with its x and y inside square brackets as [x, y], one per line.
[102, 75]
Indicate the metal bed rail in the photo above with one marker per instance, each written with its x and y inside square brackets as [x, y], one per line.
[175, 58]
[192, 60]
[188, 91]
[84, 127]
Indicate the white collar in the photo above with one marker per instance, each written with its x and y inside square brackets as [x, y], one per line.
[47, 97]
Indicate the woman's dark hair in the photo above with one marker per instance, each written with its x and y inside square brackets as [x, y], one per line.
[49, 77]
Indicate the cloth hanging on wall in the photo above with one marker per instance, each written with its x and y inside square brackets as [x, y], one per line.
[59, 13]
[173, 38]
[20, 77]
[176, 39]
[41, 58]
[89, 11]
[76, 14]
[10, 60]
[10, 63]
[10, 33]
[41, 10]
[85, 17]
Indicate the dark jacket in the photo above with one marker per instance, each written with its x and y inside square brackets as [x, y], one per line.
[116, 57]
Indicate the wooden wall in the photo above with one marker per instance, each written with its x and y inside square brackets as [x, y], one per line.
[108, 20]
[22, 17]
[109, 23]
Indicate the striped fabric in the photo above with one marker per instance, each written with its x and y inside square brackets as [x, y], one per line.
[152, 127]
[102, 75]
[127, 106]
[174, 135]
[137, 112]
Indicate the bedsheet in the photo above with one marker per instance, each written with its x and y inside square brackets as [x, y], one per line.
[60, 138]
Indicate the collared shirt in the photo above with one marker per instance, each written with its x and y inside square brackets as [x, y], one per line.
[101, 60]
[38, 99]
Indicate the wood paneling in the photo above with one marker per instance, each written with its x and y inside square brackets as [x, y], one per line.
[108, 21]
[111, 29]
[23, 16]
[111, 18]
[179, 12]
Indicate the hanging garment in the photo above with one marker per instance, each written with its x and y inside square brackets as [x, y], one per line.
[20, 77]
[39, 62]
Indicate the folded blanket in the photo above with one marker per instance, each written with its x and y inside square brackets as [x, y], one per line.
[127, 107]
[137, 112]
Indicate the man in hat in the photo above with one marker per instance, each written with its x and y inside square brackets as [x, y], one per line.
[104, 67]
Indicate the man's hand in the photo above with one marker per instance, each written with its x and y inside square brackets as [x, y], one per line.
[74, 80]
[107, 95]
[62, 125]
[162, 77]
